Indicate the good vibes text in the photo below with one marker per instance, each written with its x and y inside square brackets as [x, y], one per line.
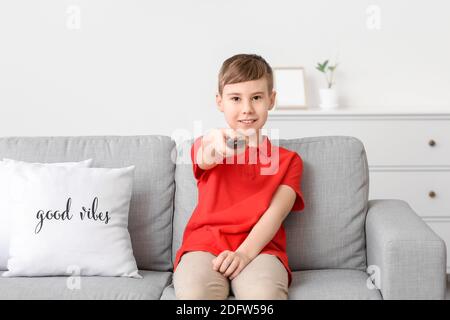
[89, 213]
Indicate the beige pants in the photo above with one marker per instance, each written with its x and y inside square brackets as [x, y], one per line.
[265, 277]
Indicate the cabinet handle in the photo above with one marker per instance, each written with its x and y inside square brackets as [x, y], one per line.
[432, 143]
[432, 194]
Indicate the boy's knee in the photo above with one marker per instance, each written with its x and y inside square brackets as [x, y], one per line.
[261, 291]
[266, 294]
[211, 291]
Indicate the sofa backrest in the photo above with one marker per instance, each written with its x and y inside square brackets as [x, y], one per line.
[329, 232]
[151, 208]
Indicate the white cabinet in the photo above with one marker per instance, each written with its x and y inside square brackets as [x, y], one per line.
[408, 153]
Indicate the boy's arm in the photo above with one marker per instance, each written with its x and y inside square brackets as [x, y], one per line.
[269, 223]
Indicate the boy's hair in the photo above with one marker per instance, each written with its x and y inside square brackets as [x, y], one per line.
[244, 67]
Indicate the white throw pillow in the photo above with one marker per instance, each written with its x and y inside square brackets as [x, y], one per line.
[5, 226]
[71, 221]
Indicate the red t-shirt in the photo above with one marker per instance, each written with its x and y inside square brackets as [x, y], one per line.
[233, 195]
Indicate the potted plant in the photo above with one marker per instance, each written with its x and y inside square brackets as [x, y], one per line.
[328, 96]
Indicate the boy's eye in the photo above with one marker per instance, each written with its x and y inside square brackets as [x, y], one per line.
[237, 98]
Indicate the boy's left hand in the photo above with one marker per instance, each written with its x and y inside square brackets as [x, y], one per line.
[230, 263]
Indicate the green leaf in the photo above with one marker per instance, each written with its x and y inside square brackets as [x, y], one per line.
[320, 67]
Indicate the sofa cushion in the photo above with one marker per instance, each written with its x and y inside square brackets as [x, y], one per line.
[151, 207]
[185, 193]
[150, 287]
[332, 284]
[329, 232]
[327, 284]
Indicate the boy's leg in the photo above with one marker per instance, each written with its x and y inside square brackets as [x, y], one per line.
[264, 278]
[194, 278]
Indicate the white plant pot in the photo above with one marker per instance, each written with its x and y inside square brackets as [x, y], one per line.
[328, 98]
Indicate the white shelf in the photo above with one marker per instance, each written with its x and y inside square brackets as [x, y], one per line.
[346, 113]
[359, 111]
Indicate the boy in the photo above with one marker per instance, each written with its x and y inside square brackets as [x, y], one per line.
[235, 233]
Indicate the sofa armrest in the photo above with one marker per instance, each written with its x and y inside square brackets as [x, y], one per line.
[408, 255]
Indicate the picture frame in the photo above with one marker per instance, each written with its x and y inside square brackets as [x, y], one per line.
[289, 83]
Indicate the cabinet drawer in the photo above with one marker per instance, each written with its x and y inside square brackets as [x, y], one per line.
[387, 142]
[414, 187]
[442, 228]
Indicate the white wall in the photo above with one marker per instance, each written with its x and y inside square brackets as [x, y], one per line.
[150, 67]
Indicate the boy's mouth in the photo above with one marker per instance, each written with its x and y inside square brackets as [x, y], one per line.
[247, 121]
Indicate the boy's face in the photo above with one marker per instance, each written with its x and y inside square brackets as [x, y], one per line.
[246, 100]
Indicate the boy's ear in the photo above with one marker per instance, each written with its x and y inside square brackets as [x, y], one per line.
[272, 99]
[219, 102]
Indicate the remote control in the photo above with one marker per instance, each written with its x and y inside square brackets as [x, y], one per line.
[236, 143]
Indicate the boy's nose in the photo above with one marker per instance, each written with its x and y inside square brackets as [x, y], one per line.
[247, 107]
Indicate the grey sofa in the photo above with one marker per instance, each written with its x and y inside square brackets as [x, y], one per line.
[333, 244]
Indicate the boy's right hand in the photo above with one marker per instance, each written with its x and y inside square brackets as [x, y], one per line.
[216, 141]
